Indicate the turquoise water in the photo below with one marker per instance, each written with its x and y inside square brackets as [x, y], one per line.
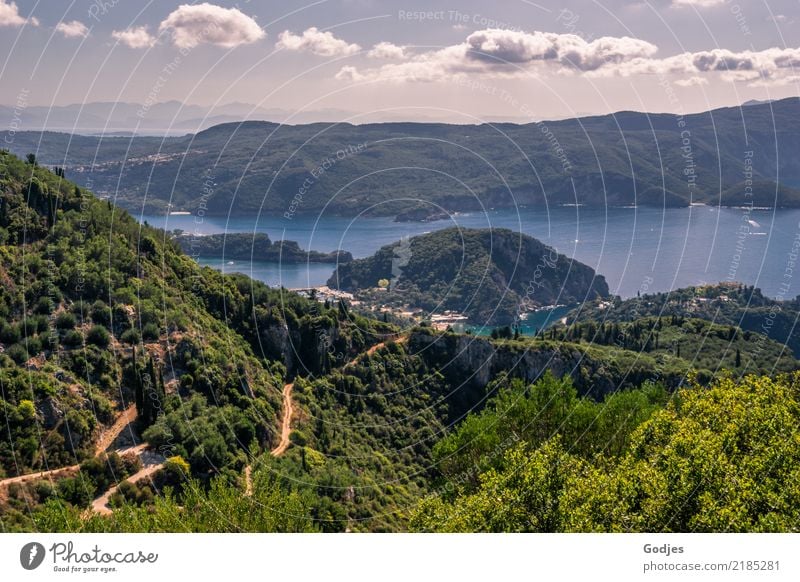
[636, 249]
[533, 322]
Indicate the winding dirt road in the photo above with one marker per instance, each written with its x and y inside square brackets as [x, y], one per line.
[288, 407]
[286, 422]
[106, 439]
[151, 462]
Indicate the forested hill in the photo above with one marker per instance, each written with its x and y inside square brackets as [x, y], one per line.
[620, 159]
[257, 247]
[730, 304]
[489, 275]
[98, 314]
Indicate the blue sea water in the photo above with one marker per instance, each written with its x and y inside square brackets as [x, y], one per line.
[636, 249]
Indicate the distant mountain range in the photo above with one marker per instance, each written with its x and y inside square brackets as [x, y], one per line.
[162, 118]
[731, 156]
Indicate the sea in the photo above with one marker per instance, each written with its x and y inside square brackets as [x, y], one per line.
[637, 249]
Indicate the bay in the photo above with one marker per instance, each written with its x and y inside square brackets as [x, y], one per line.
[640, 249]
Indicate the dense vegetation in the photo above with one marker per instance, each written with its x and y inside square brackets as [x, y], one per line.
[723, 459]
[618, 159]
[642, 423]
[709, 347]
[491, 276]
[98, 313]
[257, 247]
[725, 304]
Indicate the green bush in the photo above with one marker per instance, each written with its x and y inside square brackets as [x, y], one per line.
[65, 320]
[99, 336]
[72, 339]
[150, 332]
[131, 336]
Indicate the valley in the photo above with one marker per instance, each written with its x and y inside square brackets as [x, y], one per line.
[331, 417]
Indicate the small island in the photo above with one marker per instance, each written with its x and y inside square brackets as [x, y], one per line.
[257, 247]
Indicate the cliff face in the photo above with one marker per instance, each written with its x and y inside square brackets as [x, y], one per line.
[472, 362]
[492, 276]
[312, 349]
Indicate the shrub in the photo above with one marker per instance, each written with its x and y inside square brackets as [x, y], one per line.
[131, 336]
[150, 332]
[44, 306]
[98, 336]
[66, 320]
[18, 353]
[72, 339]
[9, 333]
[101, 313]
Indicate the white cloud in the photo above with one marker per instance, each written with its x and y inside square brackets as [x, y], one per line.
[776, 82]
[192, 25]
[387, 50]
[73, 29]
[135, 38]
[741, 66]
[506, 53]
[510, 46]
[9, 15]
[315, 41]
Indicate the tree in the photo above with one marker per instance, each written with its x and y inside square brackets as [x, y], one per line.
[721, 459]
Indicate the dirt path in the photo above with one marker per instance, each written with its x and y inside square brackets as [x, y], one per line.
[288, 408]
[151, 462]
[107, 439]
[398, 340]
[39, 475]
[286, 422]
[248, 481]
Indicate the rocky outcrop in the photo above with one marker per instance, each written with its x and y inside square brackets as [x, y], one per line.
[472, 362]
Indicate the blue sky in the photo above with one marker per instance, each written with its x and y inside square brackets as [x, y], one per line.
[433, 60]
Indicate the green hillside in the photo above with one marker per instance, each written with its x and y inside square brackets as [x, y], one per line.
[99, 314]
[107, 323]
[619, 159]
[728, 304]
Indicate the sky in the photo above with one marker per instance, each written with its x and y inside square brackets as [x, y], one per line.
[515, 60]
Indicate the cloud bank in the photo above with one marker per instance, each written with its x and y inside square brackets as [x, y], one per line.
[504, 53]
